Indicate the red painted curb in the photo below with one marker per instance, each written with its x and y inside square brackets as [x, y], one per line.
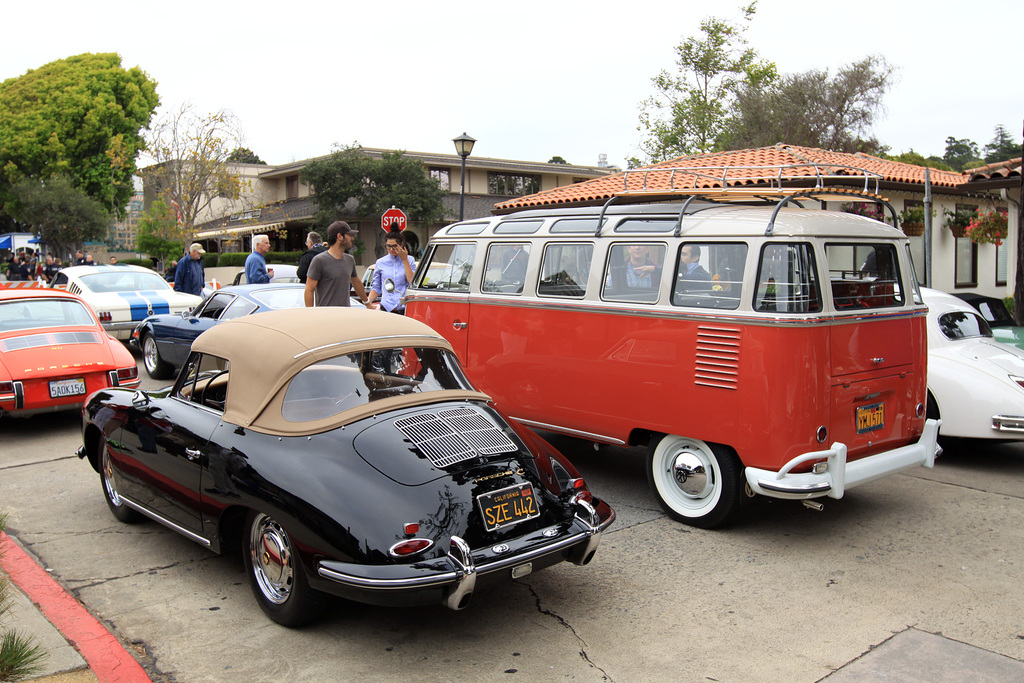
[104, 654]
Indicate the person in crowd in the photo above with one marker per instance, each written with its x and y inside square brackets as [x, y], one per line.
[314, 246]
[14, 269]
[50, 268]
[332, 274]
[113, 260]
[170, 271]
[190, 276]
[79, 258]
[256, 271]
[89, 261]
[392, 274]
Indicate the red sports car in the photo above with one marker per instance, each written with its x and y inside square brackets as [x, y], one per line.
[54, 353]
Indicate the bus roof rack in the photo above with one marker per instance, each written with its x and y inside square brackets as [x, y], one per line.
[746, 184]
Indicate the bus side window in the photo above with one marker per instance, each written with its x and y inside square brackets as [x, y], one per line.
[448, 267]
[633, 272]
[565, 269]
[505, 268]
[710, 275]
[787, 280]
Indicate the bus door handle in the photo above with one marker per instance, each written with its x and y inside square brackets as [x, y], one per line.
[459, 325]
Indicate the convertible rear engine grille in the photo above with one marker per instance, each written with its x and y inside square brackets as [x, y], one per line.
[454, 435]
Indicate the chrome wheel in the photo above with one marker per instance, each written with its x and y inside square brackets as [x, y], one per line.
[272, 559]
[117, 506]
[108, 480]
[696, 482]
[155, 365]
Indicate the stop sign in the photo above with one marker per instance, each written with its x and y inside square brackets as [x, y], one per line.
[393, 219]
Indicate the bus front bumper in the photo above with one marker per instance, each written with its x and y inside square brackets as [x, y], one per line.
[831, 474]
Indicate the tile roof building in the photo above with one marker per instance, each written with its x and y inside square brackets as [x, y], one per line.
[958, 264]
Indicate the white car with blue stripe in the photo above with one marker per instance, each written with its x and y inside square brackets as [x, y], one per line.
[123, 295]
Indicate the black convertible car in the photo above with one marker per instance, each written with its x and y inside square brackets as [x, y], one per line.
[346, 452]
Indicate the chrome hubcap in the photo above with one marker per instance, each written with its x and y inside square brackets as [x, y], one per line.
[692, 477]
[271, 559]
[108, 479]
[149, 353]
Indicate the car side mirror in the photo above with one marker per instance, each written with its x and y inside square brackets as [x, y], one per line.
[139, 399]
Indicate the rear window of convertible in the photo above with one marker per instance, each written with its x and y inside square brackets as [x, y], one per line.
[337, 384]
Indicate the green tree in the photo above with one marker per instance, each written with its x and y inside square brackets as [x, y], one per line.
[375, 184]
[960, 152]
[689, 111]
[61, 213]
[79, 117]
[157, 232]
[813, 109]
[916, 159]
[244, 155]
[191, 152]
[557, 160]
[1002, 147]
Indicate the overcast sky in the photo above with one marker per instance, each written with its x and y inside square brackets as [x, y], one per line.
[529, 80]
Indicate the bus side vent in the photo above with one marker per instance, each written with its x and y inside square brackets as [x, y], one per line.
[717, 362]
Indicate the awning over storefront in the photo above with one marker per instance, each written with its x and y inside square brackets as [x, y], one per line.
[239, 231]
[6, 241]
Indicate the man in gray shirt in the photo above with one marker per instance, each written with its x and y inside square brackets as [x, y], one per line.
[332, 273]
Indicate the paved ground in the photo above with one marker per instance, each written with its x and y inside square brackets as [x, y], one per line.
[916, 578]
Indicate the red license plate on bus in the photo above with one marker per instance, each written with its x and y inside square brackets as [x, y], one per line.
[508, 506]
[870, 418]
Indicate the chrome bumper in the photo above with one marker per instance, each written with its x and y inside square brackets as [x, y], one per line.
[832, 474]
[457, 572]
[1008, 423]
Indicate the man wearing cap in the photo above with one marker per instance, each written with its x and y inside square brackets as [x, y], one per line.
[332, 273]
[189, 276]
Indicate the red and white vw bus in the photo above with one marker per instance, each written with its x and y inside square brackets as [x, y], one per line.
[756, 349]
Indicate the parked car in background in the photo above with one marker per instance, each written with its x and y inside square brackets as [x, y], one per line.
[53, 352]
[350, 455]
[282, 273]
[165, 340]
[975, 383]
[1004, 328]
[123, 295]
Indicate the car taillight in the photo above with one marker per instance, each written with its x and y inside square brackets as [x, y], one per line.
[6, 387]
[106, 317]
[125, 374]
[410, 546]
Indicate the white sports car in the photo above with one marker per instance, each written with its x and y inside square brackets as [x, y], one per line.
[122, 295]
[975, 384]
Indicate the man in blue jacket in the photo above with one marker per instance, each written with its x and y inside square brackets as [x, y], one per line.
[189, 277]
[256, 271]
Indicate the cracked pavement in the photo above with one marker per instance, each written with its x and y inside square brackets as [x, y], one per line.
[785, 593]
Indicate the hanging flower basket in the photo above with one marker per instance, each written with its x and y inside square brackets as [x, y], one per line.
[987, 228]
[957, 222]
[912, 221]
[912, 229]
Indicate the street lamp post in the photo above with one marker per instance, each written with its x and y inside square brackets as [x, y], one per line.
[464, 147]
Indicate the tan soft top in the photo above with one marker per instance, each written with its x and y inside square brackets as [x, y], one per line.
[266, 350]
